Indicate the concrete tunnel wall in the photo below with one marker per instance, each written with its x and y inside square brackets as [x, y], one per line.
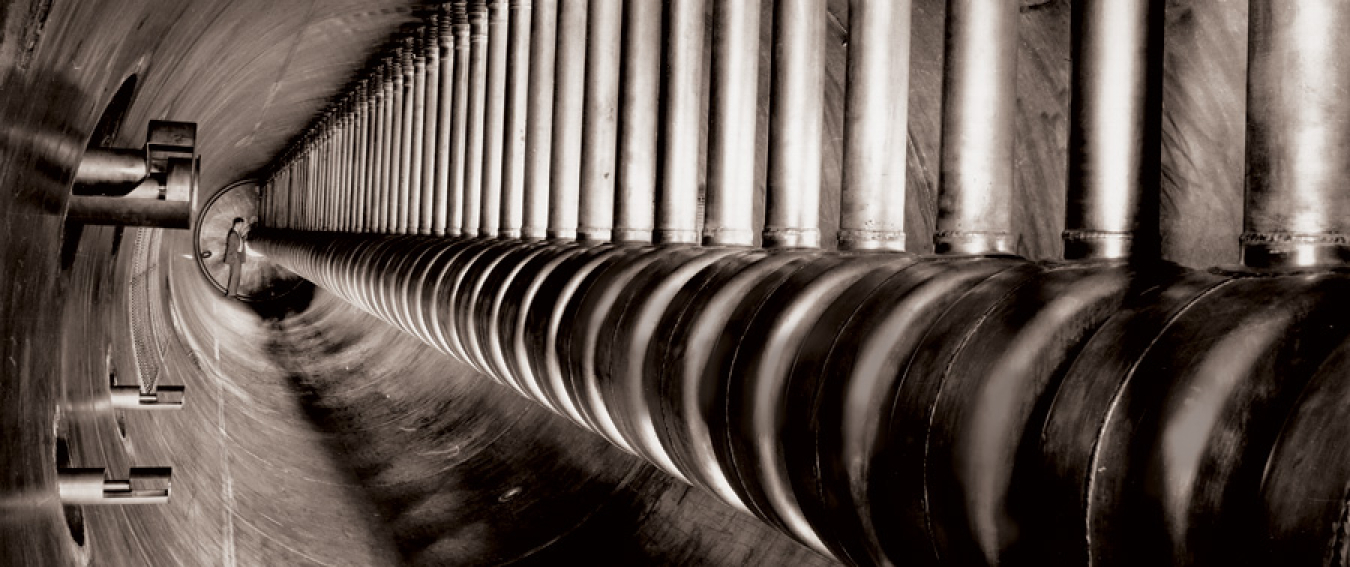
[268, 455]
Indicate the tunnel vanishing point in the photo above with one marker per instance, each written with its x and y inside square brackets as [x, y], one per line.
[678, 282]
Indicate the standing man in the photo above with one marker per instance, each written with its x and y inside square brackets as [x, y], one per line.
[235, 254]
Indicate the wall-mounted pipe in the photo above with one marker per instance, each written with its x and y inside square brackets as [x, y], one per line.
[494, 117]
[477, 120]
[979, 101]
[876, 124]
[600, 121]
[639, 108]
[1114, 135]
[1297, 211]
[431, 52]
[539, 119]
[417, 133]
[408, 129]
[677, 204]
[568, 107]
[459, 192]
[517, 97]
[729, 208]
[796, 126]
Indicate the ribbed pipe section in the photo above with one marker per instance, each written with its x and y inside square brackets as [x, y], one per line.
[889, 408]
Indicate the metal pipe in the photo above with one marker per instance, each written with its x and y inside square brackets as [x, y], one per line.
[495, 117]
[445, 125]
[600, 126]
[876, 127]
[112, 166]
[458, 158]
[121, 211]
[406, 130]
[635, 198]
[1114, 140]
[417, 133]
[473, 157]
[363, 153]
[343, 202]
[389, 184]
[678, 194]
[568, 99]
[733, 106]
[431, 130]
[979, 101]
[539, 119]
[796, 124]
[517, 84]
[377, 151]
[1298, 135]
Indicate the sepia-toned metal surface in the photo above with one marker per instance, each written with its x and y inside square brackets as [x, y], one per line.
[629, 403]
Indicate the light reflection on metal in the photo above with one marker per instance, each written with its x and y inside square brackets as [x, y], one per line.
[1297, 211]
[1114, 137]
[876, 137]
[979, 99]
[796, 123]
[729, 214]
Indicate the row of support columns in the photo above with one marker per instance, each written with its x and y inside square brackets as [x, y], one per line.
[968, 407]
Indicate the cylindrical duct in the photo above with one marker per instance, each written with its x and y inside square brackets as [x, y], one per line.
[600, 127]
[445, 125]
[1297, 210]
[796, 122]
[729, 210]
[1114, 144]
[459, 194]
[568, 99]
[494, 118]
[474, 191]
[639, 111]
[876, 122]
[517, 93]
[539, 119]
[407, 128]
[431, 127]
[417, 133]
[979, 99]
[677, 208]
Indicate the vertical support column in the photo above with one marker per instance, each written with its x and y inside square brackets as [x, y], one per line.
[444, 123]
[494, 118]
[539, 119]
[979, 100]
[568, 99]
[417, 132]
[517, 83]
[459, 193]
[876, 126]
[635, 200]
[1297, 210]
[1114, 139]
[796, 121]
[729, 210]
[473, 166]
[600, 126]
[431, 51]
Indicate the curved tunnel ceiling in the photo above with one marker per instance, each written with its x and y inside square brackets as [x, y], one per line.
[253, 74]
